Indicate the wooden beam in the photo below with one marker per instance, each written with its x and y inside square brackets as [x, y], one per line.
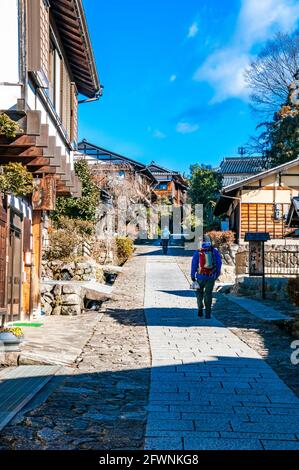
[44, 170]
[22, 141]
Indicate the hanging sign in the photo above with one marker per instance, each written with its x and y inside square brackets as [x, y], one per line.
[44, 194]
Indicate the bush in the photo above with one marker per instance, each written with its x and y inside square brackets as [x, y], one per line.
[63, 244]
[9, 127]
[125, 249]
[67, 238]
[293, 289]
[84, 207]
[81, 227]
[16, 179]
[220, 238]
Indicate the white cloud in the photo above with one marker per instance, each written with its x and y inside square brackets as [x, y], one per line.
[224, 70]
[173, 78]
[156, 133]
[184, 127]
[257, 21]
[259, 18]
[193, 30]
[159, 134]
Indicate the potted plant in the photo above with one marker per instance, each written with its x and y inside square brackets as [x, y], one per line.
[11, 337]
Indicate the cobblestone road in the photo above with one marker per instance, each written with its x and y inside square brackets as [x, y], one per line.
[176, 383]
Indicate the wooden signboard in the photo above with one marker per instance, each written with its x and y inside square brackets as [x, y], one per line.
[257, 255]
[44, 194]
[256, 262]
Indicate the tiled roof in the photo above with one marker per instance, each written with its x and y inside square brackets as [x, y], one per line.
[228, 180]
[242, 165]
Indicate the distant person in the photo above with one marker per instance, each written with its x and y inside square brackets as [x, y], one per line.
[165, 239]
[205, 269]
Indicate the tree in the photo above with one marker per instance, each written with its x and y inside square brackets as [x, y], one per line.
[205, 184]
[279, 141]
[270, 75]
[84, 207]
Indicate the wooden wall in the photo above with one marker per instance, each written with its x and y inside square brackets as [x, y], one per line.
[260, 218]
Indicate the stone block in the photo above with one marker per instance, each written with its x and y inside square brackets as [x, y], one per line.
[71, 289]
[71, 299]
[194, 443]
[70, 310]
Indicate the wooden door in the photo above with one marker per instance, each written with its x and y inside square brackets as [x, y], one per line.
[3, 220]
[14, 271]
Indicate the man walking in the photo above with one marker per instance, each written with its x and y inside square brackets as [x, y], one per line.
[205, 269]
[165, 240]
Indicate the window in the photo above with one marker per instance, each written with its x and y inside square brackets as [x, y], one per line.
[38, 39]
[162, 187]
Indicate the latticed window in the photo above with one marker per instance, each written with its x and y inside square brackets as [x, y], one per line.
[38, 38]
[66, 99]
[44, 37]
[74, 113]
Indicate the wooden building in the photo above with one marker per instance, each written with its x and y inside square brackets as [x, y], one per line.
[114, 170]
[171, 184]
[48, 59]
[261, 202]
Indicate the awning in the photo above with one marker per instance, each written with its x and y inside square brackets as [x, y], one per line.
[224, 202]
[70, 21]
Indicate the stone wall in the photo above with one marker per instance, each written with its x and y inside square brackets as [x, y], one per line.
[61, 299]
[275, 287]
[87, 270]
[228, 255]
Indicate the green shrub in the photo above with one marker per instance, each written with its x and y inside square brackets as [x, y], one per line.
[293, 289]
[8, 127]
[14, 177]
[125, 249]
[220, 238]
[84, 207]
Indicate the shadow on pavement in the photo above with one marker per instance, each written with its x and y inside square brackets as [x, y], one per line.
[205, 405]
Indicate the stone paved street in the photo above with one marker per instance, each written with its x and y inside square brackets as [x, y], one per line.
[209, 390]
[179, 383]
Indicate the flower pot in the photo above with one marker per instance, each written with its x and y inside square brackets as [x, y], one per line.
[9, 341]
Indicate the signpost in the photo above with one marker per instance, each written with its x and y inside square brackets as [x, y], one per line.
[44, 193]
[257, 255]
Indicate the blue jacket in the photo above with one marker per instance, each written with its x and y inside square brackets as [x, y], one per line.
[195, 264]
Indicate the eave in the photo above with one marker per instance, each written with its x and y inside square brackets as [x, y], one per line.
[70, 21]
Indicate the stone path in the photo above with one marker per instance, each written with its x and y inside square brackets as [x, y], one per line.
[258, 309]
[59, 341]
[205, 387]
[101, 403]
[209, 390]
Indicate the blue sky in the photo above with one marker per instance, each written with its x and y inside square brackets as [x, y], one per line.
[173, 75]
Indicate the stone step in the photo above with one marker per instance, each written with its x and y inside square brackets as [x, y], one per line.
[18, 385]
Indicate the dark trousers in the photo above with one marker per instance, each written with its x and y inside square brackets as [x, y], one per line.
[205, 294]
[165, 242]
